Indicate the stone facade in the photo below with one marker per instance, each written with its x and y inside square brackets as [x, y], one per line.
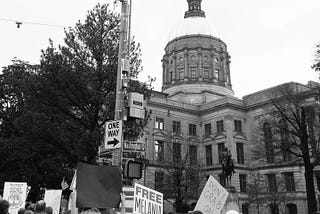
[197, 96]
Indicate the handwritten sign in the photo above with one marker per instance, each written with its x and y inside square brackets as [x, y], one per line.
[146, 200]
[15, 193]
[212, 198]
[53, 199]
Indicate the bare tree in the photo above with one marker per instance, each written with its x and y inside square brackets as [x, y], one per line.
[290, 131]
[181, 175]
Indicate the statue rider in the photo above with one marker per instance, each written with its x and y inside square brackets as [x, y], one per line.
[227, 165]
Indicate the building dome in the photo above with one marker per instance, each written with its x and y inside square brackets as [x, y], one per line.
[196, 63]
[191, 26]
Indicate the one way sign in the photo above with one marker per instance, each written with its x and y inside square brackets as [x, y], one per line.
[113, 135]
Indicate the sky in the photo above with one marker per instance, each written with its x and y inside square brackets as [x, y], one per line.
[270, 41]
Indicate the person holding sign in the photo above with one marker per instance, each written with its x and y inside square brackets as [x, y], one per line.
[4, 206]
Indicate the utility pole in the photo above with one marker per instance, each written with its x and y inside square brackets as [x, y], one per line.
[123, 70]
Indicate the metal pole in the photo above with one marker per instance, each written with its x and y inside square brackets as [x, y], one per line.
[124, 37]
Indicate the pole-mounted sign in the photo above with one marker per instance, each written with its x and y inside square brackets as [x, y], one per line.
[113, 135]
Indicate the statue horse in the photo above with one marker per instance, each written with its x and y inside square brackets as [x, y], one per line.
[227, 169]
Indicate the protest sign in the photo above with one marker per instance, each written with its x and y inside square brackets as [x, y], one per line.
[212, 198]
[98, 186]
[53, 199]
[15, 193]
[146, 200]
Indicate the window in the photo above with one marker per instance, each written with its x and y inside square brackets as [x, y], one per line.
[206, 73]
[192, 129]
[209, 155]
[207, 129]
[240, 153]
[268, 142]
[245, 208]
[289, 181]
[237, 126]
[243, 182]
[318, 181]
[193, 153]
[176, 127]
[193, 71]
[176, 152]
[216, 74]
[283, 128]
[158, 180]
[220, 127]
[181, 73]
[272, 182]
[274, 208]
[171, 76]
[159, 124]
[220, 151]
[158, 150]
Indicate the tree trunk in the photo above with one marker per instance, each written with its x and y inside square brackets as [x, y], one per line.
[311, 197]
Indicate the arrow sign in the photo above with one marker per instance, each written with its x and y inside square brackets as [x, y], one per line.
[114, 142]
[113, 134]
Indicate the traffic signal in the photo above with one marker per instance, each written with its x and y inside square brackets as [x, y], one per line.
[133, 169]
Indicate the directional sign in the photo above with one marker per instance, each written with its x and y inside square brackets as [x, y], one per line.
[113, 135]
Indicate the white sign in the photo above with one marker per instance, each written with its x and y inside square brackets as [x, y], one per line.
[15, 193]
[212, 198]
[146, 200]
[113, 135]
[53, 199]
[136, 100]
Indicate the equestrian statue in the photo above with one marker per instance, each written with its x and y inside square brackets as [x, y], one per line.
[227, 166]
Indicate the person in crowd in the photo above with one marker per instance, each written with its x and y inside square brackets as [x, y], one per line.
[48, 210]
[22, 210]
[29, 212]
[40, 207]
[4, 206]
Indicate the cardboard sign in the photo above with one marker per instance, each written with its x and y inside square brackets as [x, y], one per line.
[212, 198]
[53, 199]
[113, 134]
[15, 193]
[146, 200]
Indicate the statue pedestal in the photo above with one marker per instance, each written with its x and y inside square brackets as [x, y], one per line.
[232, 202]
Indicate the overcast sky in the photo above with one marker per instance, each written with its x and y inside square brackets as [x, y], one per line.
[270, 41]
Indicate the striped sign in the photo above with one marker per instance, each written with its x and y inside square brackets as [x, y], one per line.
[128, 192]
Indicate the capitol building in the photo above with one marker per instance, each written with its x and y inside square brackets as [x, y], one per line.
[197, 114]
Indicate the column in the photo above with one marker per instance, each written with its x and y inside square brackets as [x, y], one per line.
[200, 70]
[186, 65]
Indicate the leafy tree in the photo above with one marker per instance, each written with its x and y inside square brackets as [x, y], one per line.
[52, 114]
[291, 131]
[181, 175]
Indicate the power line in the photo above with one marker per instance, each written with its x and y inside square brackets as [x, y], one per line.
[19, 23]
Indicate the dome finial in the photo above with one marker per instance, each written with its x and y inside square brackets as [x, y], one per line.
[194, 9]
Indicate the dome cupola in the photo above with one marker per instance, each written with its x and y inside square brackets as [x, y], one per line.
[194, 9]
[196, 63]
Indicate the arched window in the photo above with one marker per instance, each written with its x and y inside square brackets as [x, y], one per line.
[245, 208]
[268, 142]
[291, 208]
[274, 209]
[284, 140]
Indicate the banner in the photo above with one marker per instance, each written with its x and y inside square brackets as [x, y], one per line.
[146, 200]
[212, 198]
[53, 199]
[98, 186]
[15, 193]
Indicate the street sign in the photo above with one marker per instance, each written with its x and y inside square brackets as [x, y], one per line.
[113, 134]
